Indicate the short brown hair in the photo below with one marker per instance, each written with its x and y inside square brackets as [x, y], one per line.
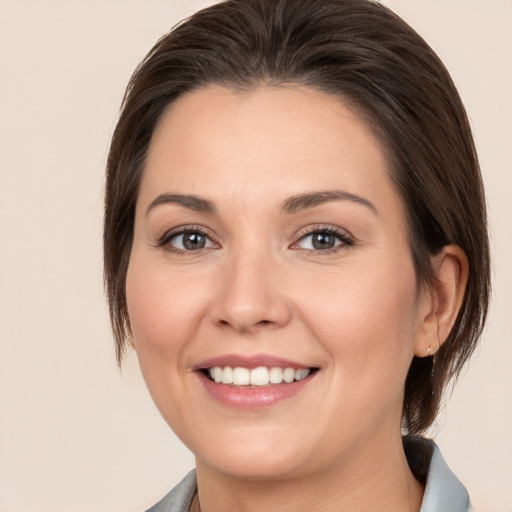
[363, 53]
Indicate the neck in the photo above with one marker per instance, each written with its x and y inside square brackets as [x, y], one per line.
[372, 478]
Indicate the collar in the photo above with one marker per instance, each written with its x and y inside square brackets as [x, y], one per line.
[443, 492]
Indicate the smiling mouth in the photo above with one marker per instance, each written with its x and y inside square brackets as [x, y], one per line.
[256, 377]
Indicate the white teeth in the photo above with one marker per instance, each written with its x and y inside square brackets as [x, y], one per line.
[227, 375]
[240, 376]
[216, 374]
[260, 376]
[276, 375]
[289, 375]
[301, 374]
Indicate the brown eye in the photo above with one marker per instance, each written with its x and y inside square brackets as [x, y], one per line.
[190, 241]
[323, 240]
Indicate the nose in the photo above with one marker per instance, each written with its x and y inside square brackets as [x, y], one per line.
[251, 297]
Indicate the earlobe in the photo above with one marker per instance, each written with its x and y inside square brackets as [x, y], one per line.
[451, 271]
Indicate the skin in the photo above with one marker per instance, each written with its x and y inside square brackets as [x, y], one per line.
[356, 311]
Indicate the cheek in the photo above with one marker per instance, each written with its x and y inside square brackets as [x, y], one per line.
[367, 324]
[163, 308]
[367, 319]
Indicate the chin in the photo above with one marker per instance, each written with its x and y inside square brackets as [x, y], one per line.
[253, 458]
[263, 468]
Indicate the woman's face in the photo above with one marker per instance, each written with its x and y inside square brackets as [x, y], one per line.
[268, 238]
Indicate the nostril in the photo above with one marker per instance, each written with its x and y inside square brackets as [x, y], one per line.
[247, 312]
[259, 323]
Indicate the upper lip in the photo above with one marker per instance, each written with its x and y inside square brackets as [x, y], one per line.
[249, 361]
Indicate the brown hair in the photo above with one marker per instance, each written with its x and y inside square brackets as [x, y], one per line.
[363, 53]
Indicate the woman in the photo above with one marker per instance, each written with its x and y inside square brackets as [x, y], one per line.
[296, 246]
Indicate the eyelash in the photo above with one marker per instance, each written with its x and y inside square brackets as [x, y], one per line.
[164, 240]
[341, 235]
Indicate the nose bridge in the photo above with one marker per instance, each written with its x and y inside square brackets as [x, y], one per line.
[250, 297]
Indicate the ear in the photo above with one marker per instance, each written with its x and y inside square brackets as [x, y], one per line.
[443, 301]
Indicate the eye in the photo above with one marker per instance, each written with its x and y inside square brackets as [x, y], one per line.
[187, 240]
[323, 240]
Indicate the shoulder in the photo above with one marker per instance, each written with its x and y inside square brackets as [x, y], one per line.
[180, 497]
[443, 490]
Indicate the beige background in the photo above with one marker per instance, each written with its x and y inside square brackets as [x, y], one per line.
[76, 434]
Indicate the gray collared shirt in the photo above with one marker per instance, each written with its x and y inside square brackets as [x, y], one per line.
[443, 491]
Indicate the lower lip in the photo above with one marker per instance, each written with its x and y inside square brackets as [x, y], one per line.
[245, 397]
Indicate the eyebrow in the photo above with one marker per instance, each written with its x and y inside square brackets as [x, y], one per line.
[291, 205]
[190, 201]
[309, 200]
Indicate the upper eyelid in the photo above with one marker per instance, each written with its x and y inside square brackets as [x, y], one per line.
[326, 228]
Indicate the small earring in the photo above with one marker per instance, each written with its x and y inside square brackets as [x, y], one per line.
[130, 342]
[429, 349]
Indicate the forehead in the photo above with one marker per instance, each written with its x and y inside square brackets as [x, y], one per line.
[289, 139]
